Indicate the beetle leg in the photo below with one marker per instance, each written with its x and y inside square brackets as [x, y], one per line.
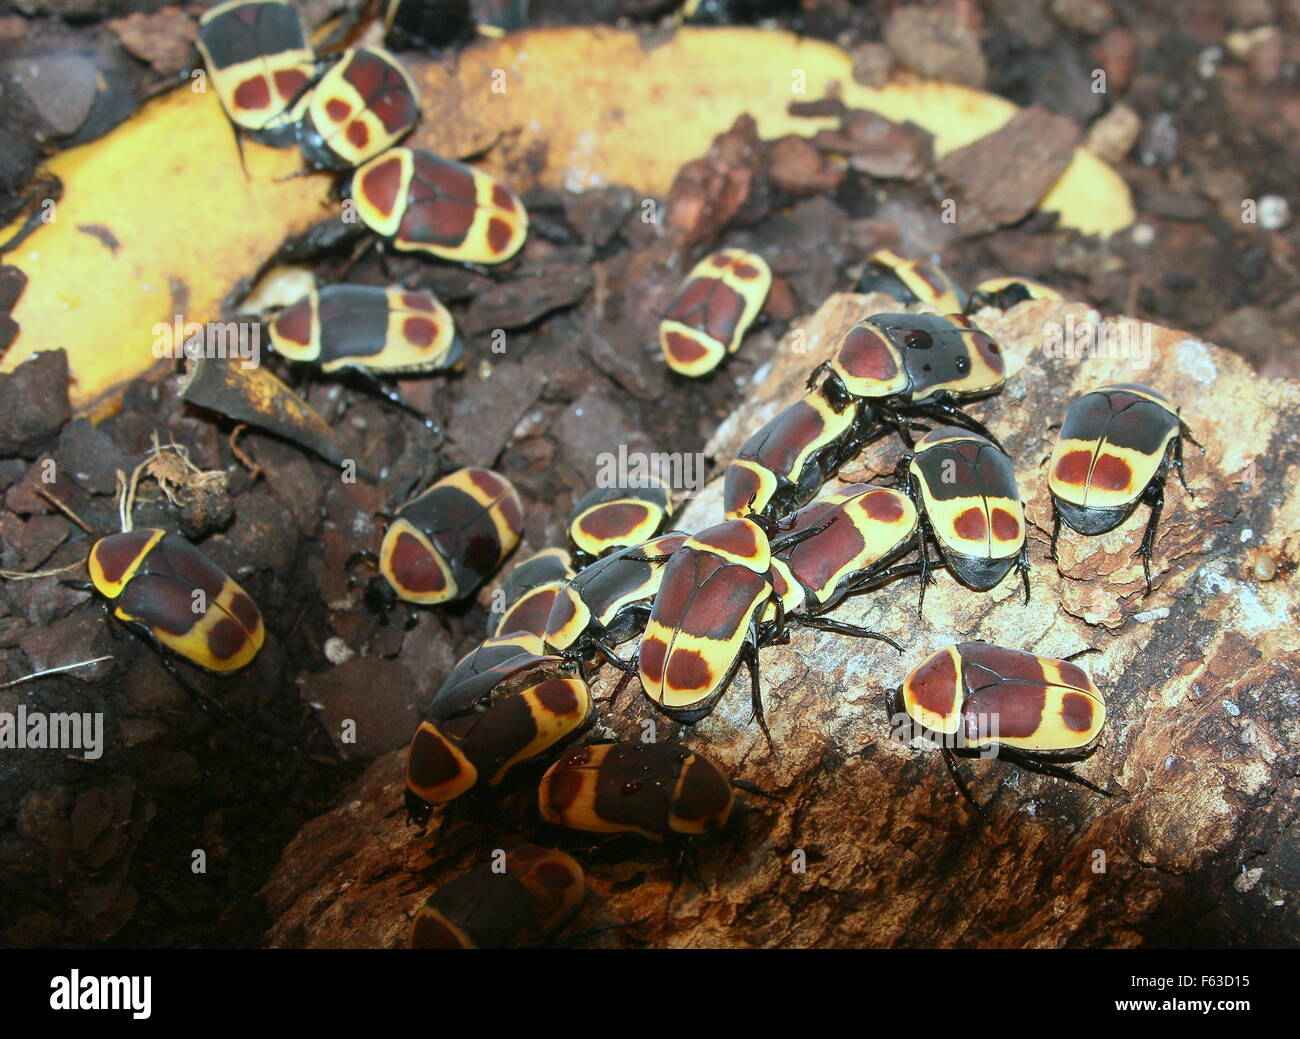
[815, 375]
[1155, 497]
[1023, 563]
[755, 789]
[900, 425]
[1047, 768]
[201, 698]
[790, 540]
[113, 624]
[844, 628]
[626, 666]
[750, 653]
[618, 689]
[949, 411]
[392, 396]
[1056, 530]
[961, 784]
[1081, 653]
[1177, 448]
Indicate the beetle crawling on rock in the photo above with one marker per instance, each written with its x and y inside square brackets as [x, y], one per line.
[1114, 452]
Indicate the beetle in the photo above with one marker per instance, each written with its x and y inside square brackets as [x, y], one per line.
[657, 790]
[362, 106]
[160, 585]
[782, 466]
[610, 601]
[712, 311]
[1005, 293]
[611, 518]
[370, 328]
[966, 488]
[528, 593]
[261, 64]
[1114, 451]
[539, 890]
[714, 592]
[421, 202]
[447, 541]
[904, 365]
[862, 530]
[1033, 709]
[503, 704]
[909, 281]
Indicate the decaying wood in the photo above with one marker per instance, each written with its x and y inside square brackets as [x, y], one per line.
[1198, 845]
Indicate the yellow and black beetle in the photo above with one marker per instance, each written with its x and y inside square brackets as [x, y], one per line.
[445, 543]
[421, 202]
[260, 64]
[528, 900]
[910, 281]
[611, 518]
[712, 311]
[966, 489]
[362, 106]
[1114, 451]
[977, 695]
[161, 586]
[376, 330]
[505, 703]
[905, 365]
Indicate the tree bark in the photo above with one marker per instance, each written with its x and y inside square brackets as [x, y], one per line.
[1197, 845]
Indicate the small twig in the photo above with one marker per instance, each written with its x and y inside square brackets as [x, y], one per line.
[50, 497]
[18, 575]
[53, 671]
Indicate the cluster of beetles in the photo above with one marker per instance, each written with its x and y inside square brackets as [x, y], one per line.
[679, 613]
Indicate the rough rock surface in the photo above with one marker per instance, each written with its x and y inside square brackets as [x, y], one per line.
[1198, 845]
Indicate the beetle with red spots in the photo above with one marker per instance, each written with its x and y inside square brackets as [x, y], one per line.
[976, 696]
[527, 899]
[862, 531]
[609, 602]
[421, 202]
[709, 617]
[613, 518]
[161, 586]
[365, 327]
[966, 488]
[361, 107]
[906, 366]
[260, 64]
[783, 466]
[1114, 452]
[445, 543]
[504, 704]
[712, 311]
[523, 602]
[910, 281]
